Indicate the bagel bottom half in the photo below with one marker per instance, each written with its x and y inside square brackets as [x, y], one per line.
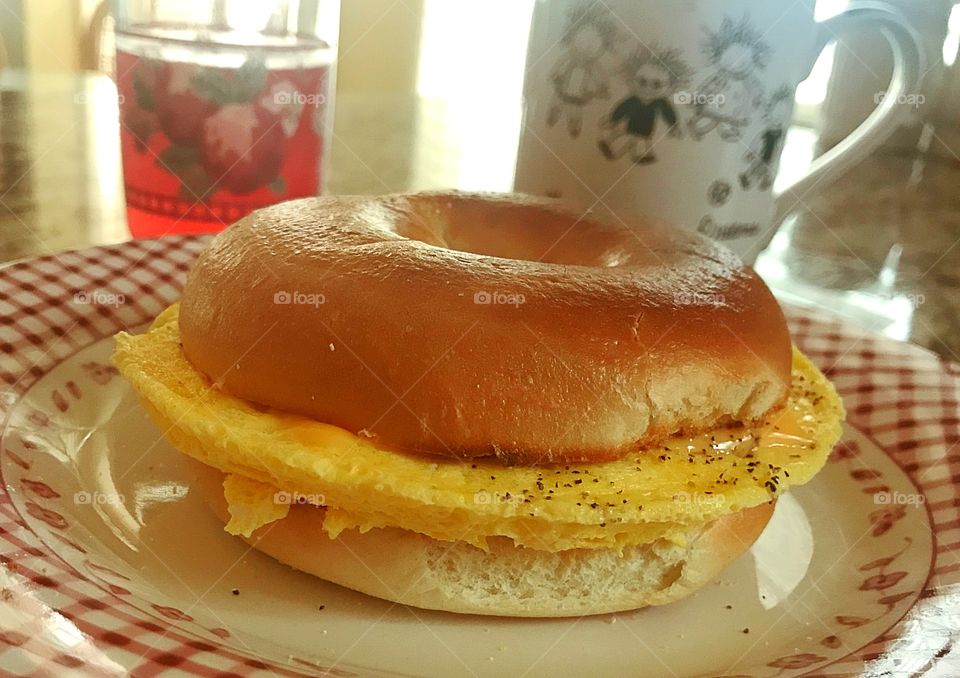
[406, 567]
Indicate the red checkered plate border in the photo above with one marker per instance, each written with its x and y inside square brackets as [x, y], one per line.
[901, 397]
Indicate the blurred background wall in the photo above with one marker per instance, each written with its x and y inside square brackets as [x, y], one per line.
[49, 35]
[440, 48]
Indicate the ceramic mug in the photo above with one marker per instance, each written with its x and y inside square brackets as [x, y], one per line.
[680, 110]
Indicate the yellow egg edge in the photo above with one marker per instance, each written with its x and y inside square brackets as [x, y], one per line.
[436, 498]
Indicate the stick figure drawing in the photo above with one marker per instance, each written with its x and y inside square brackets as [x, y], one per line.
[726, 100]
[767, 146]
[654, 77]
[579, 77]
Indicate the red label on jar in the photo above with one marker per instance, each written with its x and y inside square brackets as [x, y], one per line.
[211, 144]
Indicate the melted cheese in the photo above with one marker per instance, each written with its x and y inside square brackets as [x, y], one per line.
[659, 493]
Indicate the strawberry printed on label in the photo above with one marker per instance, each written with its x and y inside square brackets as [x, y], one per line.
[242, 147]
[208, 143]
[181, 108]
[285, 100]
[141, 124]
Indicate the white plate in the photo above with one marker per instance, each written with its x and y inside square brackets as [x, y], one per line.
[113, 564]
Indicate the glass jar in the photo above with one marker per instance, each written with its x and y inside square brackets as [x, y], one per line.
[225, 107]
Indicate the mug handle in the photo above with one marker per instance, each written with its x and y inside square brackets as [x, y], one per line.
[909, 60]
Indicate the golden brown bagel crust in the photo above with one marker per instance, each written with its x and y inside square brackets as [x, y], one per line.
[601, 337]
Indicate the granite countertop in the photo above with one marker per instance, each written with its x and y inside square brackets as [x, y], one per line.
[889, 228]
[896, 209]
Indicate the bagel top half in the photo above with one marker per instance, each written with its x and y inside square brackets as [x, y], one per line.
[473, 325]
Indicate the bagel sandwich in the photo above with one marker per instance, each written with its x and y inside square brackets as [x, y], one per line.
[487, 404]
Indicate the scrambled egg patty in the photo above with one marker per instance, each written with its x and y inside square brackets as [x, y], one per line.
[658, 493]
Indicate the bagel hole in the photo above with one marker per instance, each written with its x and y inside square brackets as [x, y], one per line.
[526, 233]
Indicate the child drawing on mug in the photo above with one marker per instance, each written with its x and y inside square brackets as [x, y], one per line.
[767, 146]
[655, 78]
[725, 101]
[578, 76]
